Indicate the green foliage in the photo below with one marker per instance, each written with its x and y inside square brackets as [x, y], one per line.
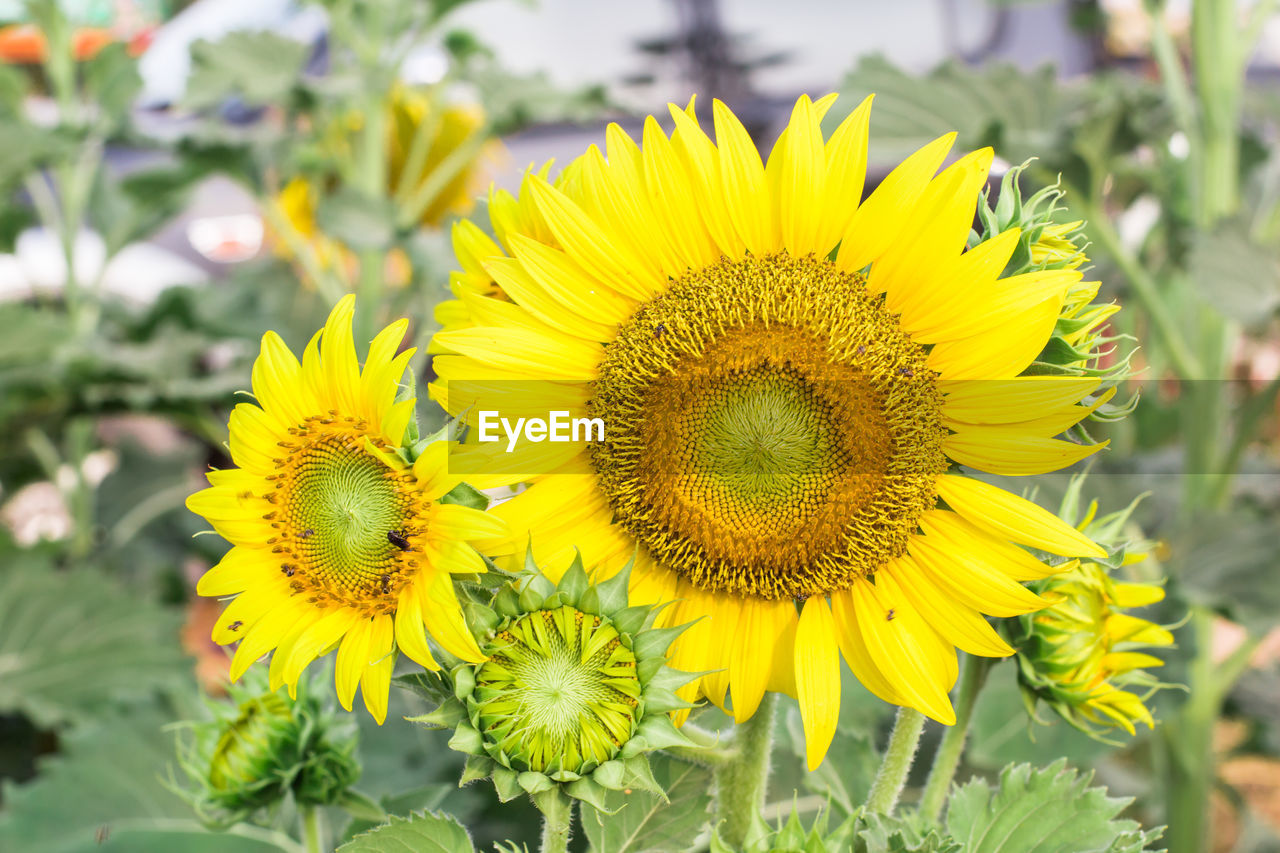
[423, 832]
[1047, 810]
[643, 821]
[71, 639]
[1237, 275]
[260, 67]
[106, 794]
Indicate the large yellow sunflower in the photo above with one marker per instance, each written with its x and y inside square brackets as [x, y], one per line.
[788, 377]
[337, 543]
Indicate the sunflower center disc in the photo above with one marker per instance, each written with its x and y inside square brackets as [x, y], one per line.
[770, 429]
[559, 691]
[346, 521]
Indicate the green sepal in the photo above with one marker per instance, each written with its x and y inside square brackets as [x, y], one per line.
[466, 738]
[639, 776]
[613, 592]
[610, 775]
[445, 716]
[477, 767]
[589, 792]
[656, 641]
[466, 495]
[671, 679]
[483, 619]
[589, 601]
[659, 700]
[361, 806]
[530, 600]
[564, 776]
[506, 784]
[464, 681]
[647, 668]
[534, 783]
[660, 733]
[574, 583]
[507, 602]
[630, 620]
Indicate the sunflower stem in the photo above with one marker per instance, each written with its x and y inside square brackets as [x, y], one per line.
[898, 755]
[556, 822]
[741, 781]
[312, 830]
[947, 758]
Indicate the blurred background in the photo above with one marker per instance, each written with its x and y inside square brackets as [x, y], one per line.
[176, 178]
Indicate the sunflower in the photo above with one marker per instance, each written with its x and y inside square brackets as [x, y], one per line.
[788, 377]
[337, 541]
[453, 161]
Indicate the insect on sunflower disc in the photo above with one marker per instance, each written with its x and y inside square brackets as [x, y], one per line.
[788, 375]
[337, 542]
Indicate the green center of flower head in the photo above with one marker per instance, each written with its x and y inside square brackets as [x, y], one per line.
[559, 691]
[770, 429]
[347, 521]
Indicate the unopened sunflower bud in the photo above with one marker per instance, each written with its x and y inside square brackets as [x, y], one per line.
[572, 695]
[263, 750]
[1086, 656]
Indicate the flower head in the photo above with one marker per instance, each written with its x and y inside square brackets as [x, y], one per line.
[572, 695]
[1087, 656]
[264, 749]
[789, 376]
[339, 542]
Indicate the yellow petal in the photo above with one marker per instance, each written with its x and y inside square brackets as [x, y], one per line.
[846, 161]
[881, 218]
[958, 623]
[745, 190]
[751, 652]
[817, 664]
[1008, 451]
[1011, 517]
[375, 681]
[353, 657]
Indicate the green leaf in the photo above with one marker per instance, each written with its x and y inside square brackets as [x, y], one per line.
[643, 822]
[1044, 810]
[878, 833]
[111, 81]
[1235, 275]
[73, 639]
[424, 832]
[260, 67]
[104, 793]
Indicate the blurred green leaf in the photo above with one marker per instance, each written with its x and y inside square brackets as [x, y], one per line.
[112, 82]
[1235, 275]
[1042, 810]
[425, 832]
[259, 67]
[106, 794]
[69, 640]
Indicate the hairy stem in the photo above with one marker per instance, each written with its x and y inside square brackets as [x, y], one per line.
[898, 755]
[947, 758]
[556, 823]
[742, 780]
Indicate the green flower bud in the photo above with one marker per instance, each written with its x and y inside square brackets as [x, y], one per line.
[262, 750]
[1046, 244]
[572, 695]
[1086, 656]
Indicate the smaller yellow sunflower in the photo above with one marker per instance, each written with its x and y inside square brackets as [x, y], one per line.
[338, 543]
[452, 132]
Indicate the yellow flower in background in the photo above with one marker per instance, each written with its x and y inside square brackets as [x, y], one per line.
[337, 542]
[1086, 656]
[452, 132]
[787, 377]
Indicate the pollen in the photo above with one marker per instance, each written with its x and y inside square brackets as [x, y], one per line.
[346, 522]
